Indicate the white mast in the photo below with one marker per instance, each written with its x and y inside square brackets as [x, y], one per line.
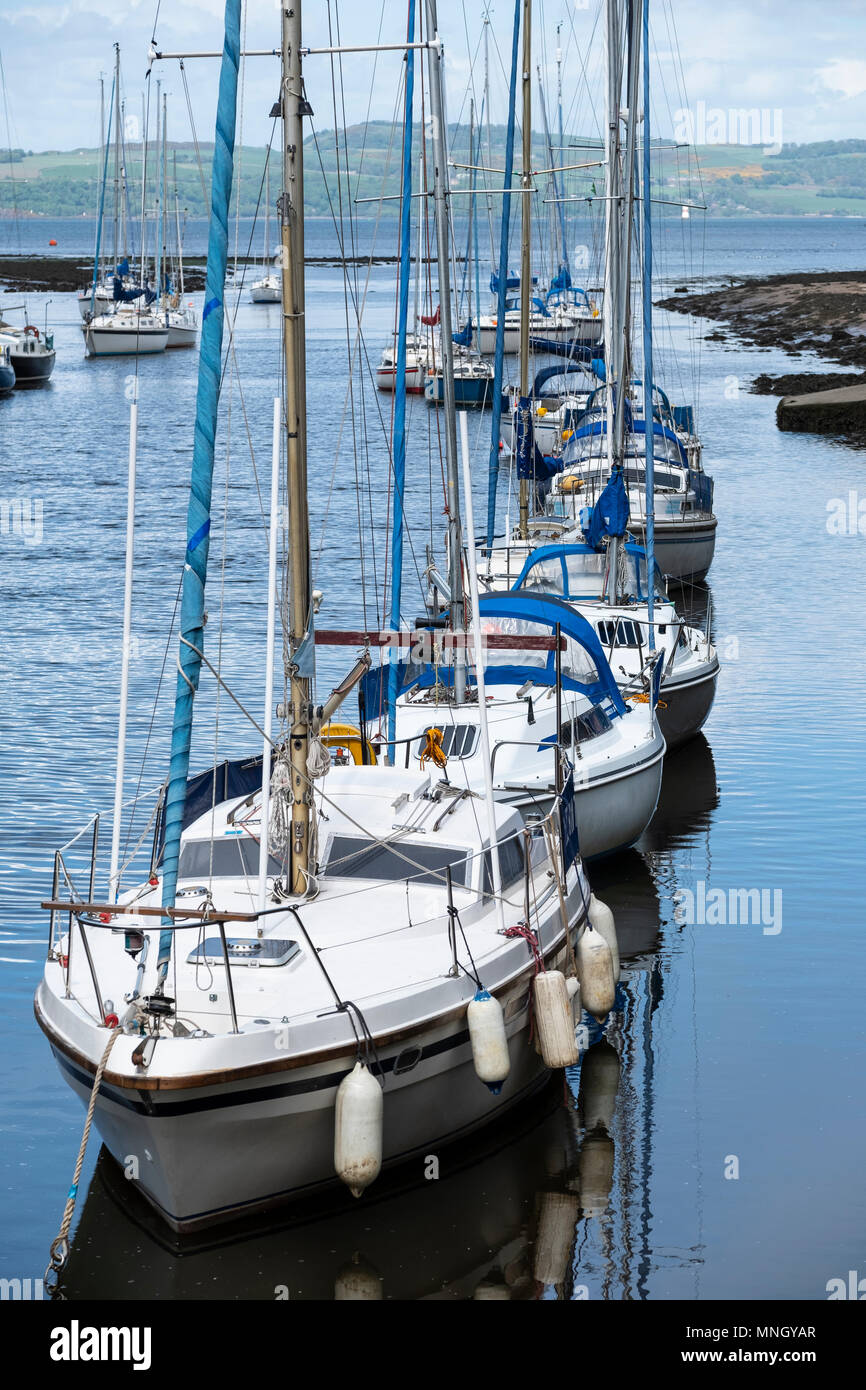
[267, 725]
[113, 872]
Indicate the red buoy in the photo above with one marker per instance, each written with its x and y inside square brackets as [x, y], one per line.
[52, 242]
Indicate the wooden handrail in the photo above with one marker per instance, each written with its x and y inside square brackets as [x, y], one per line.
[131, 910]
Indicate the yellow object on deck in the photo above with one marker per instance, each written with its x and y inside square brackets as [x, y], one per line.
[433, 748]
[348, 737]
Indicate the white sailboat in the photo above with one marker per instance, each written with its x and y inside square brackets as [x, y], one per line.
[581, 577]
[376, 946]
[268, 289]
[181, 320]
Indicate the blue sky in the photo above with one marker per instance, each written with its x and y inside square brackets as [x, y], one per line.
[787, 57]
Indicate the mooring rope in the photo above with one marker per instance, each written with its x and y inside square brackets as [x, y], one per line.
[59, 1252]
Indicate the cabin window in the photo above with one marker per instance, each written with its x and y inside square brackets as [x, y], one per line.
[586, 726]
[511, 864]
[354, 856]
[235, 856]
[458, 740]
[620, 632]
[546, 575]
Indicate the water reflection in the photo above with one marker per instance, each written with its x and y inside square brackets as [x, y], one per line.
[553, 1202]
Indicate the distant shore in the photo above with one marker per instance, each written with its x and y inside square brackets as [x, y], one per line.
[63, 274]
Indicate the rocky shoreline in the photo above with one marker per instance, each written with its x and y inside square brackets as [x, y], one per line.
[821, 312]
[63, 274]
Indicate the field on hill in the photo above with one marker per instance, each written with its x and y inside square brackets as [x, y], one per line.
[827, 178]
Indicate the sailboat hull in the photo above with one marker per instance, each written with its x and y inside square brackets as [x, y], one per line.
[685, 706]
[32, 367]
[415, 377]
[265, 294]
[181, 336]
[216, 1145]
[612, 812]
[683, 549]
[472, 392]
[123, 342]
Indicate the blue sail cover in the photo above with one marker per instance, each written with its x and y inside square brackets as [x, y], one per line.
[560, 369]
[561, 280]
[201, 483]
[510, 611]
[512, 282]
[609, 516]
[464, 337]
[568, 823]
[531, 462]
[702, 486]
[122, 296]
[540, 305]
[578, 352]
[548, 567]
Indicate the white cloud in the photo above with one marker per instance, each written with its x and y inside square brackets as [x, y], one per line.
[845, 75]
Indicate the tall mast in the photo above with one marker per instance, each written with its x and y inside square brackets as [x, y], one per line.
[116, 150]
[487, 121]
[611, 209]
[294, 107]
[501, 283]
[124, 238]
[525, 240]
[471, 215]
[267, 213]
[647, 279]
[99, 195]
[141, 275]
[559, 86]
[440, 195]
[557, 220]
[158, 142]
[162, 186]
[177, 228]
[627, 205]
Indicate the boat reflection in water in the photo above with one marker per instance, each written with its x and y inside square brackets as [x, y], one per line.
[554, 1202]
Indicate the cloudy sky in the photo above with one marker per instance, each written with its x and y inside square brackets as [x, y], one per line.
[781, 56]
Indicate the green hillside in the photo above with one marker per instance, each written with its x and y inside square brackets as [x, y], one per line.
[826, 178]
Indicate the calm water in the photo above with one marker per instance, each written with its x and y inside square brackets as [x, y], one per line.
[731, 1049]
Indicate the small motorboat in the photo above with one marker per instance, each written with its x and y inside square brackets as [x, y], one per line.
[32, 354]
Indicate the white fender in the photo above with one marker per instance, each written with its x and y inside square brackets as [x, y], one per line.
[602, 919]
[489, 1040]
[358, 1129]
[595, 970]
[554, 1020]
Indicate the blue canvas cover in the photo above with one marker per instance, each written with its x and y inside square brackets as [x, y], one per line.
[513, 613]
[609, 516]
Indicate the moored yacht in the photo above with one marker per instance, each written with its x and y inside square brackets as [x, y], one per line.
[616, 750]
[130, 330]
[31, 353]
[684, 523]
[690, 665]
[228, 1089]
